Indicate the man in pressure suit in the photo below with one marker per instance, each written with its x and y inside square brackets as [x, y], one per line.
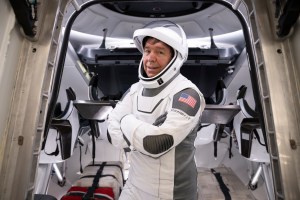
[158, 118]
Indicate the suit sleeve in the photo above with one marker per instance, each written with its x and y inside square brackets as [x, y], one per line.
[123, 108]
[187, 107]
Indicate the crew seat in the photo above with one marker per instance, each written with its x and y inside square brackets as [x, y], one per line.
[59, 143]
[102, 148]
[63, 132]
[248, 131]
[252, 144]
[207, 133]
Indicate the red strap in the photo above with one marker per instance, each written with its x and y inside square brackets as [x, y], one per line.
[76, 193]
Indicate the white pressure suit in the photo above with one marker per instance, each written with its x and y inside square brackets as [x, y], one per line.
[158, 119]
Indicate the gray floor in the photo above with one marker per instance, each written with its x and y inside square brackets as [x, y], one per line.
[209, 187]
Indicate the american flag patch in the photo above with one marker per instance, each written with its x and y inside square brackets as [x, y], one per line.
[188, 99]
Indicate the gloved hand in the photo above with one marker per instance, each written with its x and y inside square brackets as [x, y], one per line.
[160, 120]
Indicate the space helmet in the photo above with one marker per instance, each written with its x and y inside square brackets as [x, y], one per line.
[173, 35]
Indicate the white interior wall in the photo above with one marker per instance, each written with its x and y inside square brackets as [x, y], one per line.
[72, 78]
[10, 45]
[242, 77]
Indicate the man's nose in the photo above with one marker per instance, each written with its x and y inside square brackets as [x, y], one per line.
[151, 57]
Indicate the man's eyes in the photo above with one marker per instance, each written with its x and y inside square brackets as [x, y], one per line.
[158, 52]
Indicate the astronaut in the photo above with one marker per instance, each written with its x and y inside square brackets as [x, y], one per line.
[158, 118]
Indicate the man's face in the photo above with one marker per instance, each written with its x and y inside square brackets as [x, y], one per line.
[156, 56]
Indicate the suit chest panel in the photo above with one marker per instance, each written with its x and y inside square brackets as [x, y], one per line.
[149, 108]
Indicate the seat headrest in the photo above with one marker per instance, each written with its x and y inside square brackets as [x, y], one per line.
[219, 95]
[241, 92]
[94, 91]
[71, 94]
[94, 80]
[246, 109]
[221, 92]
[57, 110]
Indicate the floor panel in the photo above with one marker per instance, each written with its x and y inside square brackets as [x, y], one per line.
[210, 188]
